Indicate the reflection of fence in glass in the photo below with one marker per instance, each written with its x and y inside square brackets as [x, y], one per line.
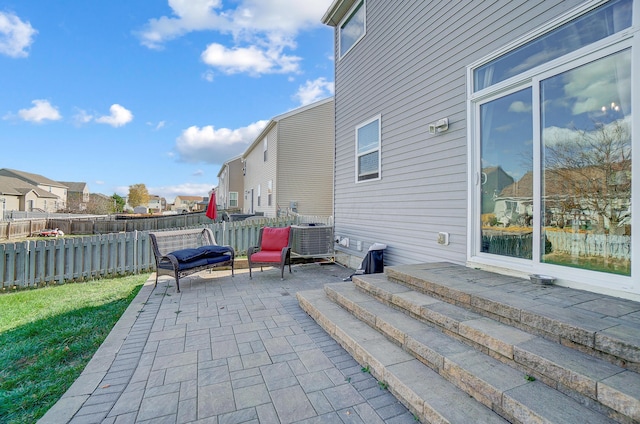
[589, 244]
[514, 245]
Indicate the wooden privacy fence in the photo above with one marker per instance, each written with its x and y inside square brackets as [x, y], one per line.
[99, 225]
[16, 229]
[38, 263]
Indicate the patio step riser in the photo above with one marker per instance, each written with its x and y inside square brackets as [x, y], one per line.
[602, 345]
[483, 379]
[510, 349]
[422, 391]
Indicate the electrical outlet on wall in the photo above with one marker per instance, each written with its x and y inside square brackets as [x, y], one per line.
[443, 238]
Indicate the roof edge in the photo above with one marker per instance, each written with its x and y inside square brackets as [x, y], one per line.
[337, 11]
[273, 121]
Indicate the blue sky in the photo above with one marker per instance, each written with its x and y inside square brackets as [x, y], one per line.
[158, 92]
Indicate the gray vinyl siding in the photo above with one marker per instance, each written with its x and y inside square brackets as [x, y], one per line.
[305, 160]
[410, 68]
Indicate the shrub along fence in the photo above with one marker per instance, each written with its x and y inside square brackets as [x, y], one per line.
[38, 263]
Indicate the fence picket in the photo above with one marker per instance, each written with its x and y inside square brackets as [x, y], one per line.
[36, 263]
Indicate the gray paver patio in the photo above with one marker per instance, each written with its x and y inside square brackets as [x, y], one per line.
[226, 350]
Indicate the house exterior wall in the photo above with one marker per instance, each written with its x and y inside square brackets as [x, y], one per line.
[410, 68]
[259, 172]
[230, 180]
[305, 160]
[31, 201]
[55, 205]
[9, 203]
[236, 182]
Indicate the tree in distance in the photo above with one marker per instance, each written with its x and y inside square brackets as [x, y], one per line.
[138, 195]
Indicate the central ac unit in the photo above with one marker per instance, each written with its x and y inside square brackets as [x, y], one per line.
[312, 240]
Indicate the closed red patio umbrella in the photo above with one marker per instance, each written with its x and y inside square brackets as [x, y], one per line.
[212, 211]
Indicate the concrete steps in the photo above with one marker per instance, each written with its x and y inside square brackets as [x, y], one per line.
[407, 337]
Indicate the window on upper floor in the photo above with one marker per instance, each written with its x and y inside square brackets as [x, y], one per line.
[368, 150]
[353, 27]
[264, 148]
[269, 192]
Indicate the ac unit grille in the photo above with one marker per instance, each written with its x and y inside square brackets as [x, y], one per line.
[312, 240]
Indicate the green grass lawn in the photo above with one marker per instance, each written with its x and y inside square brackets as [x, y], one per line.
[48, 335]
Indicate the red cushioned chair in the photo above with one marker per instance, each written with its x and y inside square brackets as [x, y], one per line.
[274, 249]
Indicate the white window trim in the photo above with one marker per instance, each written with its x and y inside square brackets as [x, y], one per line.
[379, 149]
[264, 149]
[346, 18]
[607, 283]
[233, 200]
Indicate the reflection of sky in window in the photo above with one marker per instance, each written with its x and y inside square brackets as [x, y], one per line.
[507, 133]
[352, 29]
[600, 23]
[595, 93]
[368, 137]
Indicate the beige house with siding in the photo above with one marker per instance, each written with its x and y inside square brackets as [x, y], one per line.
[38, 192]
[19, 195]
[289, 166]
[230, 190]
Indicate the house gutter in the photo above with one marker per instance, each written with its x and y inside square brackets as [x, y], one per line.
[337, 11]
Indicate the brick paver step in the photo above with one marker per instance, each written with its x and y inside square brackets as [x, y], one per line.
[426, 393]
[556, 364]
[601, 325]
[494, 383]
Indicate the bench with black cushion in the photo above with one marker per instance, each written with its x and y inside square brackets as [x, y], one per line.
[179, 253]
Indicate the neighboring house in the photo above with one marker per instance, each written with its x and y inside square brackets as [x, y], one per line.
[493, 180]
[157, 204]
[428, 96]
[289, 167]
[55, 200]
[19, 195]
[77, 196]
[230, 190]
[565, 202]
[187, 203]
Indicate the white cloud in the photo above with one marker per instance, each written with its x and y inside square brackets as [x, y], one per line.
[119, 116]
[211, 145]
[520, 107]
[597, 84]
[251, 60]
[198, 173]
[314, 90]
[261, 30]
[208, 75]
[15, 35]
[41, 111]
[82, 117]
